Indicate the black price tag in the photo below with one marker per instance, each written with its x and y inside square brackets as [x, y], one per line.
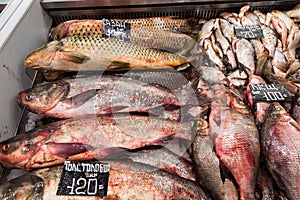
[116, 30]
[84, 179]
[269, 93]
[248, 32]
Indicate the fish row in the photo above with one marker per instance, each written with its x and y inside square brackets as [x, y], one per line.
[239, 56]
[79, 46]
[126, 180]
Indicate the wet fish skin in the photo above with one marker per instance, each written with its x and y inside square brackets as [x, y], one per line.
[207, 30]
[126, 180]
[282, 30]
[153, 38]
[208, 172]
[97, 54]
[99, 95]
[227, 29]
[280, 147]
[88, 138]
[166, 160]
[266, 186]
[236, 140]
[208, 46]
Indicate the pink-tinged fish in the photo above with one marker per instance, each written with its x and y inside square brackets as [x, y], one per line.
[127, 180]
[280, 139]
[81, 96]
[88, 138]
[261, 108]
[207, 166]
[236, 140]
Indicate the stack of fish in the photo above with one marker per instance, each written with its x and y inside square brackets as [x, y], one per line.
[239, 57]
[165, 139]
[139, 117]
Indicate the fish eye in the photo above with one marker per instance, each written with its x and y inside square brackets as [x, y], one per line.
[5, 147]
[28, 97]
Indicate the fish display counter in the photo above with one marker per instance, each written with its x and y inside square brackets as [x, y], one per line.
[150, 100]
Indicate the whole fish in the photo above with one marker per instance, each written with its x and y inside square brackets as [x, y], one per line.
[127, 180]
[165, 159]
[158, 39]
[269, 40]
[206, 30]
[207, 167]
[245, 55]
[88, 138]
[236, 139]
[93, 53]
[74, 97]
[227, 29]
[280, 137]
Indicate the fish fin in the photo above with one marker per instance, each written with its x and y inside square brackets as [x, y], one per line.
[182, 67]
[118, 66]
[75, 57]
[295, 124]
[67, 149]
[81, 98]
[111, 109]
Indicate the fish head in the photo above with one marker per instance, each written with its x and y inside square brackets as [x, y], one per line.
[43, 56]
[17, 151]
[44, 97]
[28, 186]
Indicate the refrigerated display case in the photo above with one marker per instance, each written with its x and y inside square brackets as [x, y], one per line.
[25, 26]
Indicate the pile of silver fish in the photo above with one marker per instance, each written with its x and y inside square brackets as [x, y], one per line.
[170, 125]
[238, 57]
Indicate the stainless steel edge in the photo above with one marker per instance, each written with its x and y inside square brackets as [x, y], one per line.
[67, 4]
